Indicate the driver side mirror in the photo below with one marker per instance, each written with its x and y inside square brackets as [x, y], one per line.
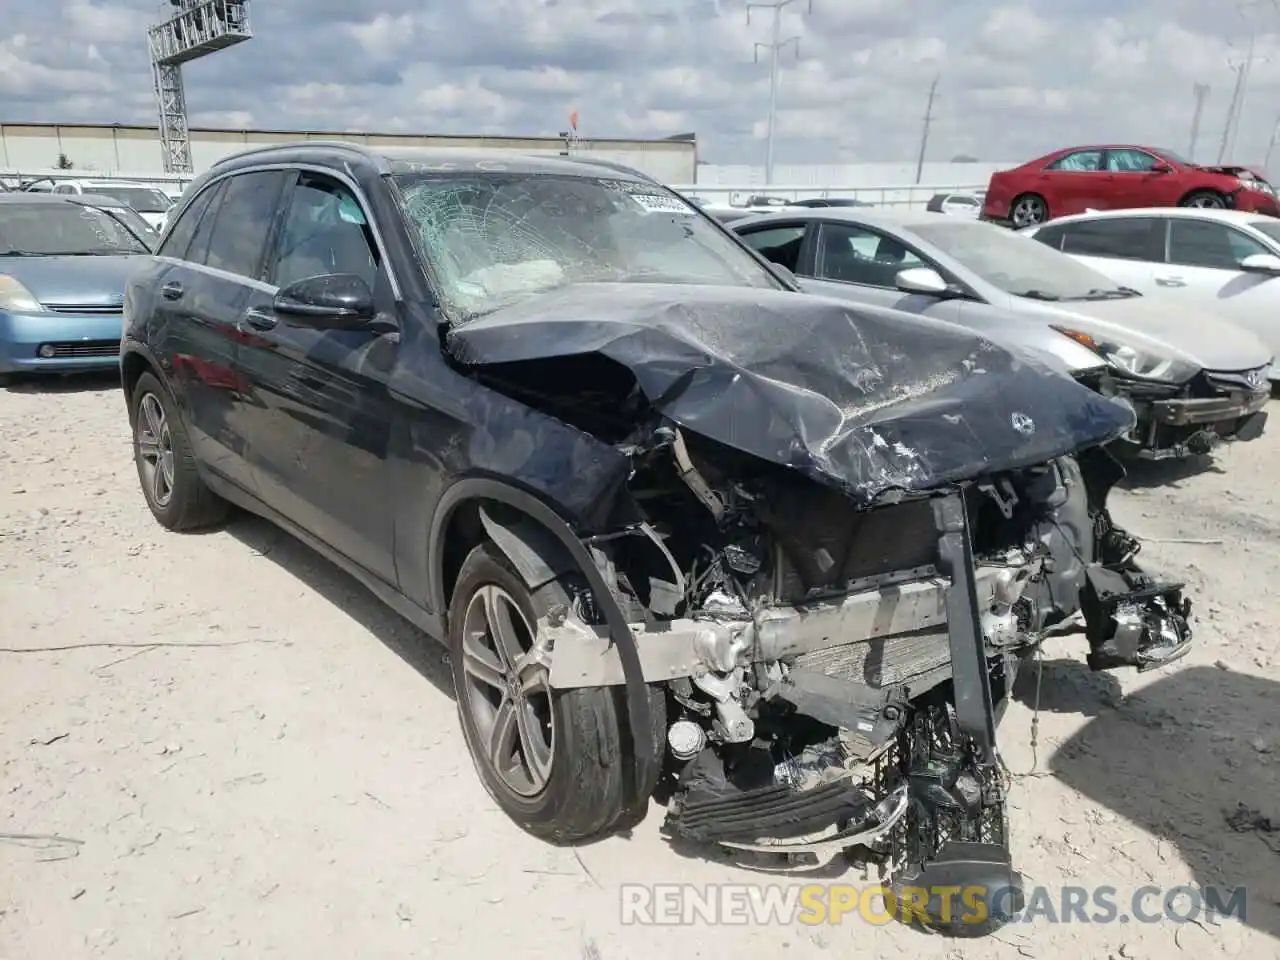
[924, 281]
[335, 301]
[1261, 263]
[1161, 168]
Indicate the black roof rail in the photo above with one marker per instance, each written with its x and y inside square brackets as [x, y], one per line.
[612, 165]
[293, 145]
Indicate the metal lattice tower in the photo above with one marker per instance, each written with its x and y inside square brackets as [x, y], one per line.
[197, 29]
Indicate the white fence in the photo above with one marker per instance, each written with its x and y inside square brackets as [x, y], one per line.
[892, 195]
[12, 177]
[889, 195]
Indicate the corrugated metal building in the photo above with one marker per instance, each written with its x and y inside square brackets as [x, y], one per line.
[135, 150]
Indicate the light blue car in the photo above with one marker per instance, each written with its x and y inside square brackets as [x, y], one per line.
[63, 266]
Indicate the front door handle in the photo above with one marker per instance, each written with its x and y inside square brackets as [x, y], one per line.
[172, 290]
[260, 320]
[1170, 282]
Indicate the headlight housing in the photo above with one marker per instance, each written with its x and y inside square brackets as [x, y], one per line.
[1132, 361]
[14, 296]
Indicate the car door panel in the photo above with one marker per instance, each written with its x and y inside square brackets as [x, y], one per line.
[1131, 181]
[1204, 257]
[1074, 183]
[196, 334]
[318, 414]
[219, 282]
[868, 262]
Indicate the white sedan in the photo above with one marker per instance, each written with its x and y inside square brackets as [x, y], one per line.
[1225, 259]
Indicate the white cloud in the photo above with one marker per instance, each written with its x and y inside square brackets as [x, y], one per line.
[1017, 79]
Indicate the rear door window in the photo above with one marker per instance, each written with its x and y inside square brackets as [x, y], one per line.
[243, 222]
[203, 230]
[1119, 238]
[1203, 243]
[1051, 236]
[1082, 161]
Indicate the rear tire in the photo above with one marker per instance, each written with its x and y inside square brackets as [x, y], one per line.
[171, 483]
[1028, 210]
[1205, 199]
[563, 771]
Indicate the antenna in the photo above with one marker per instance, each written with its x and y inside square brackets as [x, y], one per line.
[928, 120]
[774, 46]
[197, 29]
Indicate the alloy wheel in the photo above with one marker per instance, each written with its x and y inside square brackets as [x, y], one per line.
[1208, 202]
[508, 692]
[1028, 211]
[155, 450]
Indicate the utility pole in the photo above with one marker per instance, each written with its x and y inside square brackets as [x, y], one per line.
[924, 133]
[1200, 91]
[1271, 145]
[1232, 107]
[1236, 110]
[774, 46]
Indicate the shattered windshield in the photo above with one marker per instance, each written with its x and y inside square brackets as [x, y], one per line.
[494, 238]
[1014, 263]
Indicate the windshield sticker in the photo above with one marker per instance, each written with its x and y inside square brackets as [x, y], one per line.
[655, 203]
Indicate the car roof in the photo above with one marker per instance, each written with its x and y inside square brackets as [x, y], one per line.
[1176, 213]
[392, 160]
[887, 219]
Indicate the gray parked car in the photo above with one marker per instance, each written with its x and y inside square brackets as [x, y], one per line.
[1193, 379]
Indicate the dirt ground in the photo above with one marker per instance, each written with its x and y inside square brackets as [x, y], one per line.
[245, 755]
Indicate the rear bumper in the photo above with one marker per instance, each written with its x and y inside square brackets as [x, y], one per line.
[76, 341]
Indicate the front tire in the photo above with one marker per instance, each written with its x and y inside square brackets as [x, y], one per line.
[175, 493]
[556, 762]
[1204, 199]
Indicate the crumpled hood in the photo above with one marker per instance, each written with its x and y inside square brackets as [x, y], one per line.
[865, 399]
[78, 281]
[1164, 325]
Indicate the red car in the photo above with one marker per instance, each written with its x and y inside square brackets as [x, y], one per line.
[1120, 177]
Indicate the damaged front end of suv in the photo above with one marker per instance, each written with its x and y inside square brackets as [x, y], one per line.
[841, 530]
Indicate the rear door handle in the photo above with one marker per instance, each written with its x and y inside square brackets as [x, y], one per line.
[260, 320]
[1171, 282]
[172, 290]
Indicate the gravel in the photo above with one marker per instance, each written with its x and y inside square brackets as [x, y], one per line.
[220, 746]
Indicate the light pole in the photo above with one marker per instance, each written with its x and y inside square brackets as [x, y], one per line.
[774, 46]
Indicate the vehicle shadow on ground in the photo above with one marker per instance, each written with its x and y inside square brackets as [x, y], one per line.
[68, 383]
[1187, 759]
[347, 595]
[1145, 474]
[351, 598]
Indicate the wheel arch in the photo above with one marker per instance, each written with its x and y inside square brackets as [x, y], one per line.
[1202, 188]
[542, 545]
[135, 360]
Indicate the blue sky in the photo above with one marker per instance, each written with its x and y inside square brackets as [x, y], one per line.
[1016, 79]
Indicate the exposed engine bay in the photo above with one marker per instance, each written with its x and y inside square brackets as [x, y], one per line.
[833, 588]
[834, 673]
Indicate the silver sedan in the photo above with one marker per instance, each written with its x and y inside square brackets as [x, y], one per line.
[1192, 379]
